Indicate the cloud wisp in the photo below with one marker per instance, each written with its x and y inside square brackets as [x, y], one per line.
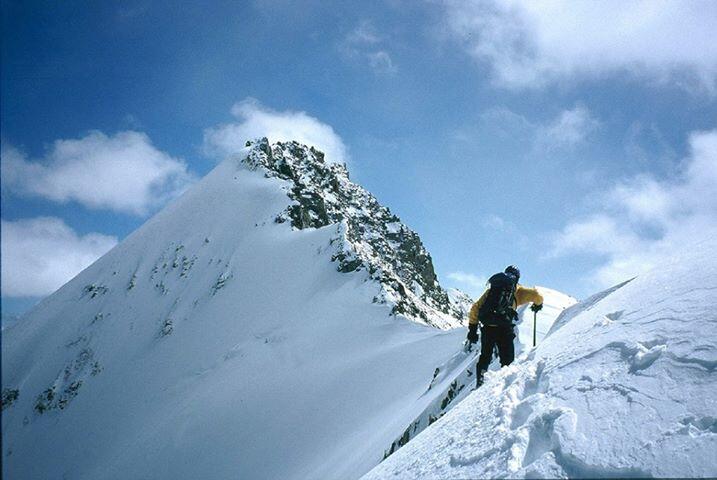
[366, 44]
[533, 44]
[643, 220]
[124, 173]
[568, 129]
[40, 255]
[255, 120]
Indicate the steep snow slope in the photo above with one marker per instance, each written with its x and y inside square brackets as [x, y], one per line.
[624, 385]
[8, 320]
[462, 301]
[215, 342]
[453, 380]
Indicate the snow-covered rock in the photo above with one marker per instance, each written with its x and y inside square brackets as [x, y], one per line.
[622, 386]
[462, 301]
[370, 237]
[273, 322]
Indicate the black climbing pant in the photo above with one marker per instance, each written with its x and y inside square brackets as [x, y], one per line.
[491, 337]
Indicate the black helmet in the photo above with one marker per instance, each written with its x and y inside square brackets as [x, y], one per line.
[513, 270]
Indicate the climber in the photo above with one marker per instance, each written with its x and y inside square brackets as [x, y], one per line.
[495, 312]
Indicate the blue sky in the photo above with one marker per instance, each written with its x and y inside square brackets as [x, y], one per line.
[580, 145]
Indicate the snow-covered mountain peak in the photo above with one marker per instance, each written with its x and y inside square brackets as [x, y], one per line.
[224, 338]
[368, 238]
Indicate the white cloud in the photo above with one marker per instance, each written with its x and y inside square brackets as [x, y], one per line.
[497, 122]
[40, 255]
[366, 44]
[124, 172]
[364, 34]
[256, 120]
[599, 233]
[470, 283]
[570, 128]
[381, 62]
[646, 144]
[507, 121]
[643, 220]
[644, 199]
[531, 44]
[496, 222]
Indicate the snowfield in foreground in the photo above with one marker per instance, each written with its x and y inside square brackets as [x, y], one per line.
[622, 386]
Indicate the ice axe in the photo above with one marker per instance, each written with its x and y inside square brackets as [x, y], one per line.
[535, 308]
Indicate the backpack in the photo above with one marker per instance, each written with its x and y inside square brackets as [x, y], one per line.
[497, 309]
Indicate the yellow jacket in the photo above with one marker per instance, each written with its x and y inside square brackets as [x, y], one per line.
[522, 295]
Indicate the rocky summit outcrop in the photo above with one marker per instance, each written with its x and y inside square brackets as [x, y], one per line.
[369, 237]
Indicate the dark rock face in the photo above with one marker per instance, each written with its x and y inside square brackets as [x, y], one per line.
[9, 395]
[369, 236]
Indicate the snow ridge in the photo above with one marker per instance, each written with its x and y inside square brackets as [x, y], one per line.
[369, 237]
[623, 386]
[454, 380]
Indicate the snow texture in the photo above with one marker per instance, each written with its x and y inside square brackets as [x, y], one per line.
[215, 342]
[622, 386]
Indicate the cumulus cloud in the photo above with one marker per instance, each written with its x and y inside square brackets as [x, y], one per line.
[642, 220]
[531, 44]
[472, 284]
[40, 255]
[124, 173]
[255, 120]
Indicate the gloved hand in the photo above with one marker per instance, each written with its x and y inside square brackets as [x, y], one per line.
[536, 308]
[472, 333]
